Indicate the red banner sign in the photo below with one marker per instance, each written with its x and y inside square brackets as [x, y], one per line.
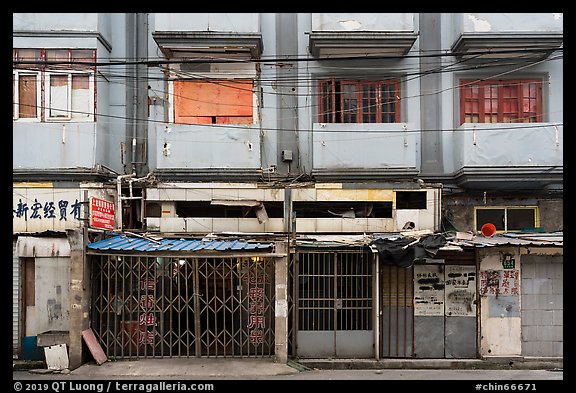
[101, 214]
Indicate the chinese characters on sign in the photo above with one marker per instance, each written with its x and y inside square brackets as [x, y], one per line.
[48, 209]
[147, 316]
[499, 282]
[101, 214]
[256, 296]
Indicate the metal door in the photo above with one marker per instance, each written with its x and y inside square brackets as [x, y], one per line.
[334, 304]
[397, 312]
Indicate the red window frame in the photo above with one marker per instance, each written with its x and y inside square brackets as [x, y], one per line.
[345, 101]
[501, 101]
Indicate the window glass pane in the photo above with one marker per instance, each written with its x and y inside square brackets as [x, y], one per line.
[369, 103]
[57, 54]
[27, 96]
[521, 219]
[326, 116]
[84, 56]
[58, 96]
[388, 103]
[29, 55]
[350, 103]
[492, 216]
[81, 96]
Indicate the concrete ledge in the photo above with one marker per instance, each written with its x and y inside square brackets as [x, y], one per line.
[452, 364]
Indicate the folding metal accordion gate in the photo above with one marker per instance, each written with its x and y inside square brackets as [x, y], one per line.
[148, 306]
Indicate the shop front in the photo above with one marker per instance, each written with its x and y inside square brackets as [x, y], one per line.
[183, 298]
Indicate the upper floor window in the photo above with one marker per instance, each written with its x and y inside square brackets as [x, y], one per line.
[213, 102]
[57, 85]
[501, 101]
[346, 101]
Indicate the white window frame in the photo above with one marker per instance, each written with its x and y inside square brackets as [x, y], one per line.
[16, 111]
[48, 92]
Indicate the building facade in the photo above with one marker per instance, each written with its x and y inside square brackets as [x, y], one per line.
[333, 139]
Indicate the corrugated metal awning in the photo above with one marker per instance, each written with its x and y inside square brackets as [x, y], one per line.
[554, 239]
[126, 243]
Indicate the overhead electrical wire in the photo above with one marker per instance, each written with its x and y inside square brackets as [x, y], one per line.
[405, 77]
[439, 69]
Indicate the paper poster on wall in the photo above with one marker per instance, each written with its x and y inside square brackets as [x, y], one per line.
[460, 290]
[499, 282]
[428, 290]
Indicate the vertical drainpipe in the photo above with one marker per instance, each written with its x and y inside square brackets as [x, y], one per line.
[135, 88]
[137, 97]
[141, 95]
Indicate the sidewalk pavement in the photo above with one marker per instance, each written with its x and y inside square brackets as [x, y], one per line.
[263, 367]
[178, 367]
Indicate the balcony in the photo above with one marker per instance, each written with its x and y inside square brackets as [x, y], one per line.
[189, 152]
[335, 35]
[514, 155]
[508, 35]
[364, 151]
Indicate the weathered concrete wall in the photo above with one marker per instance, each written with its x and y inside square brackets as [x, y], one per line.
[233, 22]
[499, 291]
[15, 299]
[363, 22]
[281, 305]
[79, 294]
[542, 305]
[459, 210]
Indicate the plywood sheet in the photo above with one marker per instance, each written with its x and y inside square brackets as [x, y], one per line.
[212, 98]
[95, 348]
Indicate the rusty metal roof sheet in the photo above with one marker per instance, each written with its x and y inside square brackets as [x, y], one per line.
[516, 239]
[126, 243]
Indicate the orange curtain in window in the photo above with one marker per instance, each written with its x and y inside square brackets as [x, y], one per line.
[213, 102]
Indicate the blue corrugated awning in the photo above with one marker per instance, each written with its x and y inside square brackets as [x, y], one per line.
[127, 243]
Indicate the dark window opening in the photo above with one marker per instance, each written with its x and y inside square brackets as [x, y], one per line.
[507, 218]
[492, 216]
[153, 209]
[132, 209]
[205, 209]
[410, 200]
[519, 219]
[343, 209]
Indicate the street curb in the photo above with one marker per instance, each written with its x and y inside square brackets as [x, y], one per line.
[472, 364]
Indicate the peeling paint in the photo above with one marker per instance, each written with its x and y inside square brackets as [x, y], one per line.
[281, 309]
[480, 25]
[54, 310]
[350, 24]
